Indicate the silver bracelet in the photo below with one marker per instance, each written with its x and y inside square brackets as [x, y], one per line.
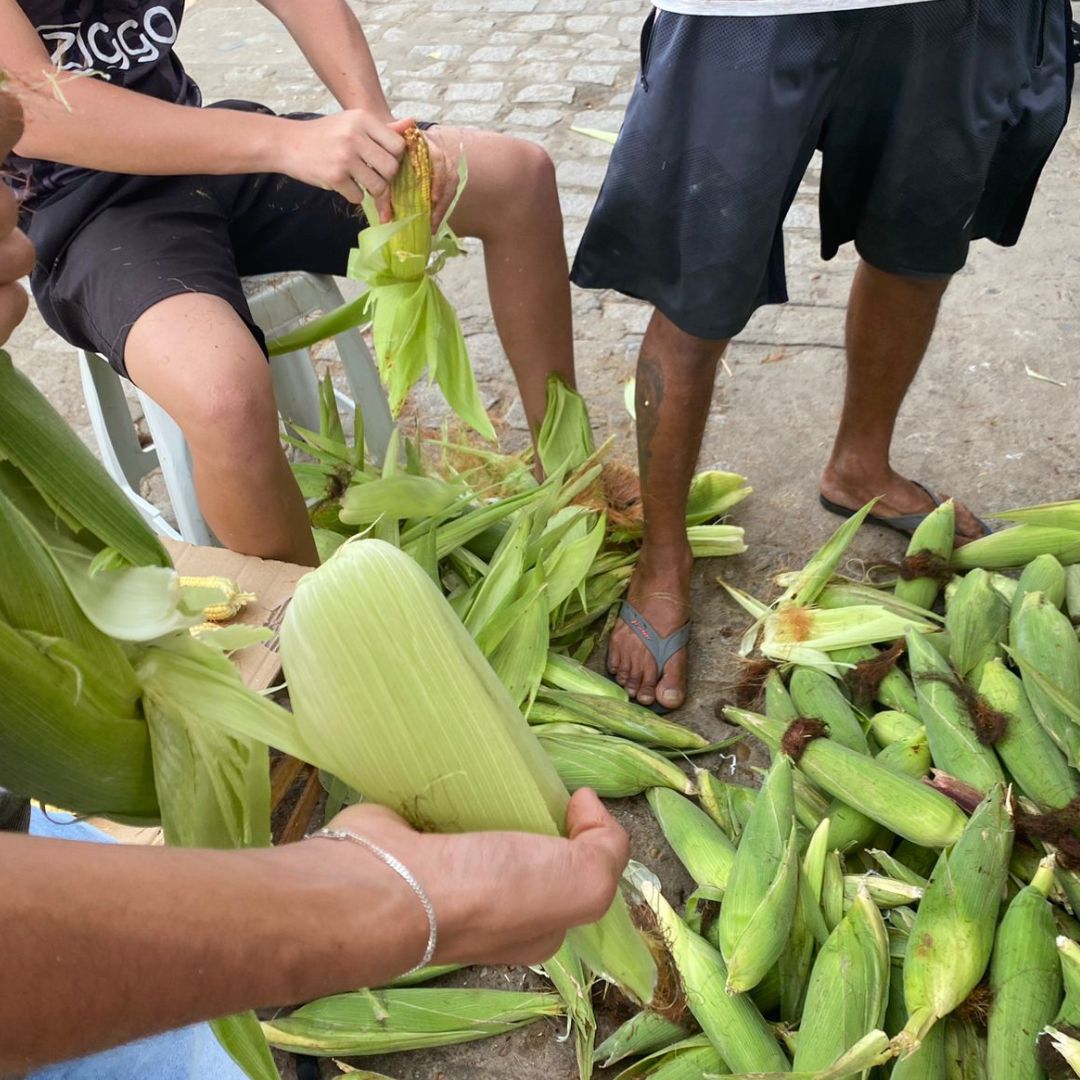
[405, 874]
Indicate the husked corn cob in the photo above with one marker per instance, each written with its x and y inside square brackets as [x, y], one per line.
[233, 601]
[1044, 574]
[816, 695]
[698, 842]
[1036, 764]
[848, 988]
[762, 887]
[410, 193]
[932, 542]
[977, 620]
[953, 932]
[899, 803]
[954, 742]
[1025, 980]
[732, 1022]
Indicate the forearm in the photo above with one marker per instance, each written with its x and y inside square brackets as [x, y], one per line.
[332, 40]
[123, 942]
[116, 130]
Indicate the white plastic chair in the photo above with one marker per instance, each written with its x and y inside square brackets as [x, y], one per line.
[279, 303]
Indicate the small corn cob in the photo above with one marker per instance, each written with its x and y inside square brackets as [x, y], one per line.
[565, 673]
[910, 757]
[1044, 639]
[816, 695]
[233, 601]
[689, 1059]
[1025, 979]
[931, 542]
[729, 805]
[977, 620]
[965, 1050]
[899, 803]
[410, 193]
[1014, 547]
[698, 842]
[613, 768]
[848, 989]
[890, 726]
[644, 1033]
[927, 1062]
[953, 933]
[885, 892]
[762, 887]
[954, 742]
[731, 1022]
[1036, 764]
[1044, 574]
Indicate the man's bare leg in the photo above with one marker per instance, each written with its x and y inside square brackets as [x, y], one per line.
[889, 325]
[195, 357]
[511, 203]
[675, 378]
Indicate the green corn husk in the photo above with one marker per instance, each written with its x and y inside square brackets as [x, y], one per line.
[699, 844]
[814, 694]
[1069, 956]
[731, 1022]
[729, 805]
[890, 726]
[762, 886]
[565, 438]
[1061, 515]
[401, 496]
[832, 890]
[843, 593]
[1072, 592]
[953, 933]
[894, 868]
[689, 1059]
[928, 1060]
[848, 988]
[1025, 980]
[567, 974]
[389, 1021]
[932, 541]
[893, 690]
[623, 718]
[643, 1034]
[908, 757]
[1036, 764]
[567, 674]
[614, 768]
[965, 1050]
[1044, 643]
[899, 803]
[977, 620]
[1017, 546]
[1043, 574]
[954, 742]
[716, 541]
[885, 892]
[810, 806]
[1067, 1048]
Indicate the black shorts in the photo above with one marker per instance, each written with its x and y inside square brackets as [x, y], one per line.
[110, 247]
[935, 120]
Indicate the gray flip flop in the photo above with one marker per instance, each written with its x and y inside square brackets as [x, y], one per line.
[906, 524]
[661, 648]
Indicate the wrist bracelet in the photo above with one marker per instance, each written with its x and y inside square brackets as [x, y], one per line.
[404, 873]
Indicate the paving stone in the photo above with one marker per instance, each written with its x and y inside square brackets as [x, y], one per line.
[540, 92]
[581, 173]
[537, 118]
[604, 74]
[494, 91]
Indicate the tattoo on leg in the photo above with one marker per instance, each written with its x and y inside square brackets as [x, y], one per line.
[648, 397]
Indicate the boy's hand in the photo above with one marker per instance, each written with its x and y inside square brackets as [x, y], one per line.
[350, 152]
[16, 252]
[446, 151]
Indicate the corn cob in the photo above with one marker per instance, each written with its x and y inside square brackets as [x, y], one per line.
[1044, 574]
[1025, 980]
[885, 892]
[233, 601]
[1017, 547]
[622, 718]
[899, 803]
[1059, 515]
[778, 703]
[893, 690]
[613, 768]
[832, 891]
[1044, 640]
[699, 844]
[977, 620]
[896, 869]
[909, 757]
[848, 988]
[954, 742]
[810, 806]
[814, 694]
[1031, 756]
[1072, 592]
[890, 726]
[931, 543]
[565, 673]
[731, 1021]
[762, 887]
[965, 1050]
[927, 1062]
[729, 805]
[689, 1059]
[410, 193]
[644, 1033]
[953, 933]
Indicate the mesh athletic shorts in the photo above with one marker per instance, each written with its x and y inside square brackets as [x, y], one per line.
[934, 119]
[110, 247]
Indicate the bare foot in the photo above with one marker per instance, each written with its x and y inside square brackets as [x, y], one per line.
[899, 496]
[660, 590]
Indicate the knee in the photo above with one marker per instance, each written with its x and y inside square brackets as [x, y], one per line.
[529, 185]
[232, 416]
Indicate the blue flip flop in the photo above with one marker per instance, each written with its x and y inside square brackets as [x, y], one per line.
[905, 524]
[661, 648]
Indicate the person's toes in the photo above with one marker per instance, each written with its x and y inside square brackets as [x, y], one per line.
[968, 526]
[671, 690]
[647, 694]
[614, 657]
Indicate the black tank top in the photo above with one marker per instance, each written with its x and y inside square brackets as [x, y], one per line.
[128, 42]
